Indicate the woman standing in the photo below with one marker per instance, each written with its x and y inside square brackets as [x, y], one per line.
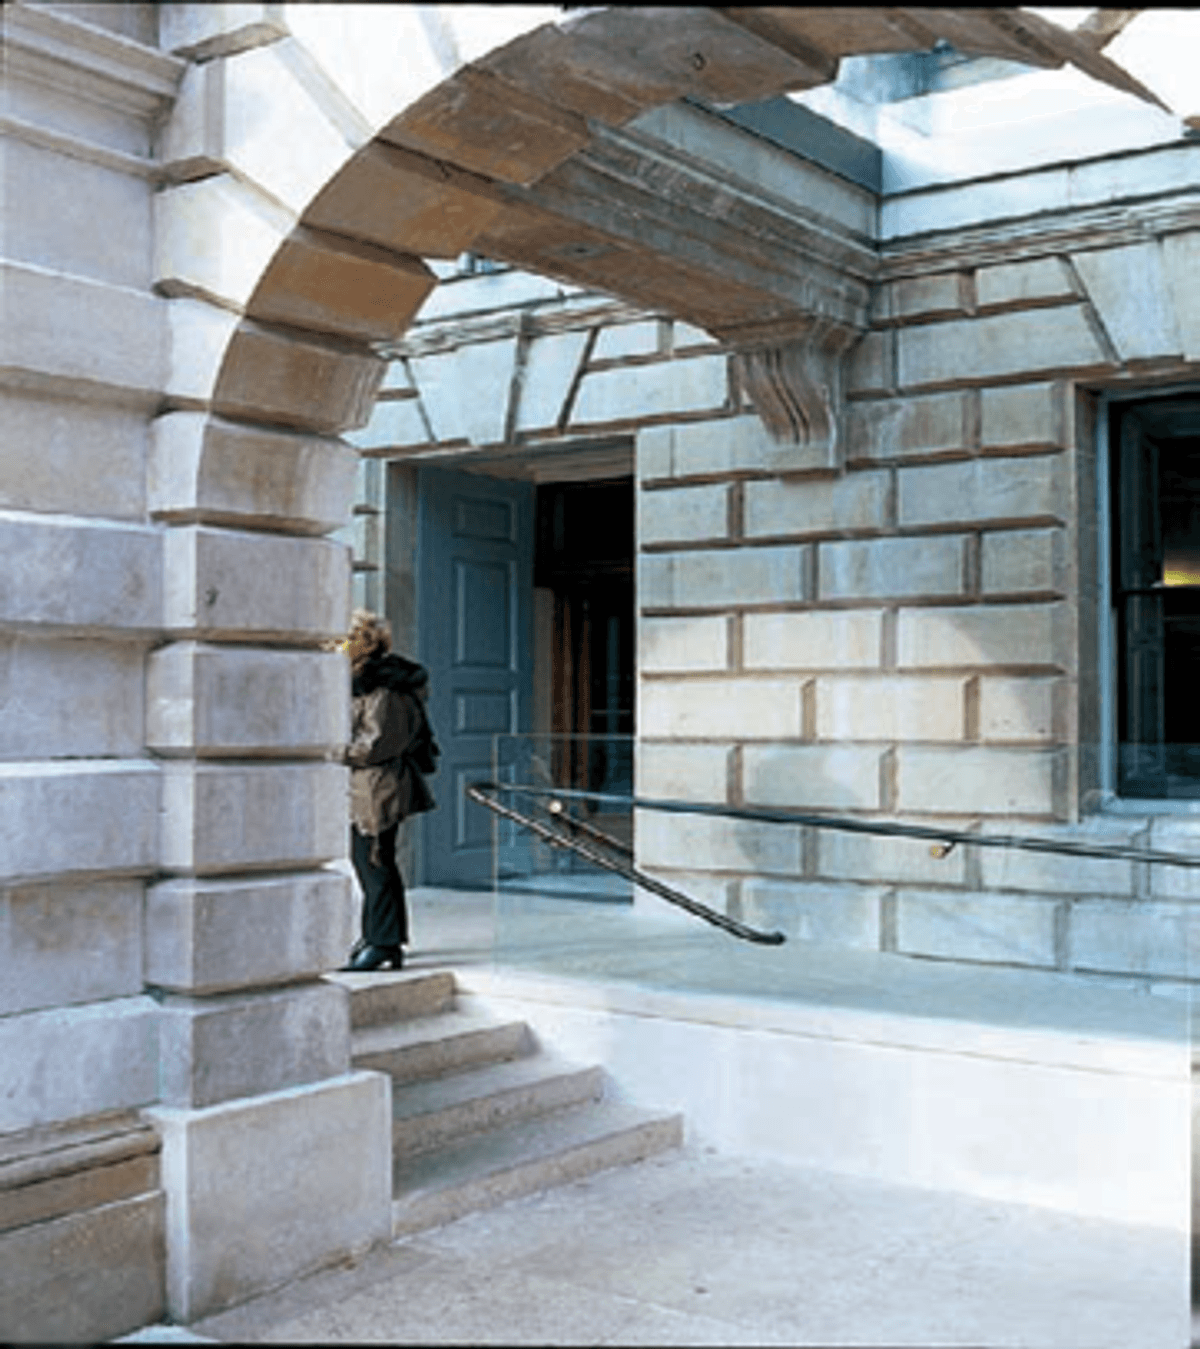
[391, 749]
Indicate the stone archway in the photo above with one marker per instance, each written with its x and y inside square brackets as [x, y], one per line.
[305, 195]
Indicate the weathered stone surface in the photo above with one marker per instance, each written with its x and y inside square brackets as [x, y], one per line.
[983, 489]
[90, 334]
[69, 943]
[683, 514]
[70, 697]
[1131, 293]
[205, 470]
[702, 843]
[721, 576]
[234, 1045]
[890, 708]
[698, 384]
[229, 818]
[719, 708]
[1019, 709]
[111, 807]
[50, 231]
[478, 366]
[722, 445]
[1022, 559]
[683, 644]
[992, 780]
[272, 377]
[826, 915]
[620, 340]
[1181, 257]
[199, 336]
[490, 127]
[550, 367]
[208, 936]
[86, 1277]
[214, 237]
[326, 284]
[822, 505]
[878, 857]
[72, 1061]
[845, 640]
[1060, 873]
[395, 424]
[803, 776]
[871, 366]
[1175, 836]
[1037, 281]
[72, 457]
[682, 772]
[982, 635]
[937, 424]
[238, 701]
[973, 926]
[1024, 417]
[1021, 341]
[318, 1198]
[80, 578]
[1136, 937]
[405, 202]
[924, 297]
[254, 585]
[885, 567]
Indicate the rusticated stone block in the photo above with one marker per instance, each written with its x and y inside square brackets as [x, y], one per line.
[1060, 873]
[327, 284]
[220, 1048]
[1037, 281]
[1136, 937]
[551, 363]
[69, 943]
[1019, 709]
[1022, 559]
[86, 1277]
[897, 428]
[228, 818]
[947, 779]
[1130, 291]
[885, 567]
[723, 708]
[477, 365]
[683, 514]
[720, 445]
[66, 1062]
[721, 576]
[1182, 837]
[396, 424]
[924, 297]
[982, 635]
[1000, 929]
[238, 701]
[983, 489]
[1024, 417]
[698, 384]
[709, 844]
[276, 1164]
[268, 376]
[204, 470]
[207, 936]
[1181, 258]
[683, 772]
[880, 857]
[683, 644]
[849, 639]
[254, 585]
[804, 776]
[405, 202]
[890, 707]
[853, 501]
[826, 915]
[112, 807]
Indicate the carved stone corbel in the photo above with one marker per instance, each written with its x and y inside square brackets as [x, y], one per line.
[794, 380]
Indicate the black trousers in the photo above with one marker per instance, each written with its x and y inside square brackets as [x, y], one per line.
[384, 912]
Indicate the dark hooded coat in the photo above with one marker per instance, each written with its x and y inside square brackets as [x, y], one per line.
[392, 746]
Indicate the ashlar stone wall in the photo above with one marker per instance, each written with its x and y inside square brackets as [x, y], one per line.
[912, 635]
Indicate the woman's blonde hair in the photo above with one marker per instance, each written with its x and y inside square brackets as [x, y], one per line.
[369, 635]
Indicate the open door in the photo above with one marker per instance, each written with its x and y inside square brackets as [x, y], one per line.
[475, 540]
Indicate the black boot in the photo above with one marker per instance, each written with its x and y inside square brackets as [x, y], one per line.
[375, 957]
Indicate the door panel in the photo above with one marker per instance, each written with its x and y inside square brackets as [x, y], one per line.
[475, 597]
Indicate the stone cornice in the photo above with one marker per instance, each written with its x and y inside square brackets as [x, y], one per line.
[48, 47]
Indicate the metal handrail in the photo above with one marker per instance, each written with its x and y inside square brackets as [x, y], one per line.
[944, 839]
[477, 791]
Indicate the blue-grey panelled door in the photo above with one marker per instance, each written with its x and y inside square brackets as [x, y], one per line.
[475, 595]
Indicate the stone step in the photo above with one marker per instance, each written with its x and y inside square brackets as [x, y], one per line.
[384, 996]
[523, 1157]
[434, 1046]
[440, 1112]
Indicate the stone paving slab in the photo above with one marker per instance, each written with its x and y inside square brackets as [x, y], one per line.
[696, 1248]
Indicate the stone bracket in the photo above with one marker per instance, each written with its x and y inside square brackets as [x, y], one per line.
[795, 382]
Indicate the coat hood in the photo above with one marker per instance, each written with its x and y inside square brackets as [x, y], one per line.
[392, 672]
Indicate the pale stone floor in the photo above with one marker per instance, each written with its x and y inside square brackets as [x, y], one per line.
[696, 1248]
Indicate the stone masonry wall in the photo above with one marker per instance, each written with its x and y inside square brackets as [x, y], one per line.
[912, 636]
